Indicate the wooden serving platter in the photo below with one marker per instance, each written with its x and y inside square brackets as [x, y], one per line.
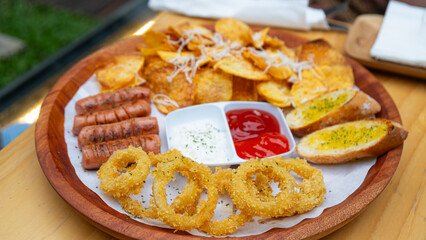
[361, 38]
[53, 157]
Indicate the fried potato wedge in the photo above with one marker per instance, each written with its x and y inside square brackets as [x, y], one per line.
[125, 71]
[212, 86]
[178, 89]
[320, 52]
[276, 93]
[244, 90]
[242, 68]
[307, 88]
[234, 30]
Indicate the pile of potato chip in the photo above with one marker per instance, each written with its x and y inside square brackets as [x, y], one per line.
[189, 64]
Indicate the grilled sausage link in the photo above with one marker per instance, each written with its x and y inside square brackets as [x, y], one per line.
[111, 99]
[96, 154]
[119, 130]
[126, 111]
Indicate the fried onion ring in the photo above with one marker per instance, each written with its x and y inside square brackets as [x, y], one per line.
[164, 157]
[185, 202]
[230, 224]
[124, 172]
[246, 199]
[311, 191]
[164, 174]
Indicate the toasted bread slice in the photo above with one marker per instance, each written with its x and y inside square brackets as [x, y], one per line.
[329, 109]
[352, 140]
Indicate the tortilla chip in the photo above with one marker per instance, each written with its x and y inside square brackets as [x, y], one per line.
[124, 72]
[234, 30]
[275, 92]
[241, 68]
[212, 86]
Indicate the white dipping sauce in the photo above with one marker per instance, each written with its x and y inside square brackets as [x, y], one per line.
[202, 141]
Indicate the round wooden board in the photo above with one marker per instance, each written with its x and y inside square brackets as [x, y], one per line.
[53, 157]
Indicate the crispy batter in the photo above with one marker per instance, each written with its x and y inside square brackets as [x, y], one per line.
[119, 180]
[230, 224]
[246, 199]
[205, 211]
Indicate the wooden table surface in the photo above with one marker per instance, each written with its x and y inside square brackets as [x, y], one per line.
[31, 209]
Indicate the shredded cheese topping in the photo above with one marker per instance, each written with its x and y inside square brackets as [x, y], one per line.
[214, 47]
[164, 100]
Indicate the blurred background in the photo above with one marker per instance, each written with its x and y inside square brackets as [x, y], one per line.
[41, 39]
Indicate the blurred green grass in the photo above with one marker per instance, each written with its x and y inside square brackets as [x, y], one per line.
[45, 30]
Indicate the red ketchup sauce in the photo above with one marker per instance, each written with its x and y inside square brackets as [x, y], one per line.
[256, 133]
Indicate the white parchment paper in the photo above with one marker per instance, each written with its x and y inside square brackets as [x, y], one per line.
[340, 180]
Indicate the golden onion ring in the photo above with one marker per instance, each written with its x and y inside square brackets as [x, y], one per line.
[187, 201]
[164, 174]
[230, 224]
[311, 191]
[118, 179]
[246, 199]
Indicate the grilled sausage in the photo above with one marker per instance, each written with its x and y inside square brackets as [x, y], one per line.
[96, 154]
[119, 130]
[112, 99]
[126, 111]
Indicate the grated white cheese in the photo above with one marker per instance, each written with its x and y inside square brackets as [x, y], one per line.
[164, 100]
[202, 140]
[279, 59]
[256, 37]
[215, 49]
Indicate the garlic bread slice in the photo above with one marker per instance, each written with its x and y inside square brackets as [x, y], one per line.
[329, 109]
[352, 140]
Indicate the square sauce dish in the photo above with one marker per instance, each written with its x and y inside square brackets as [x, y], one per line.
[229, 133]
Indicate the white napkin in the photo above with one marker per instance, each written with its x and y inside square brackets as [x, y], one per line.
[402, 37]
[278, 13]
